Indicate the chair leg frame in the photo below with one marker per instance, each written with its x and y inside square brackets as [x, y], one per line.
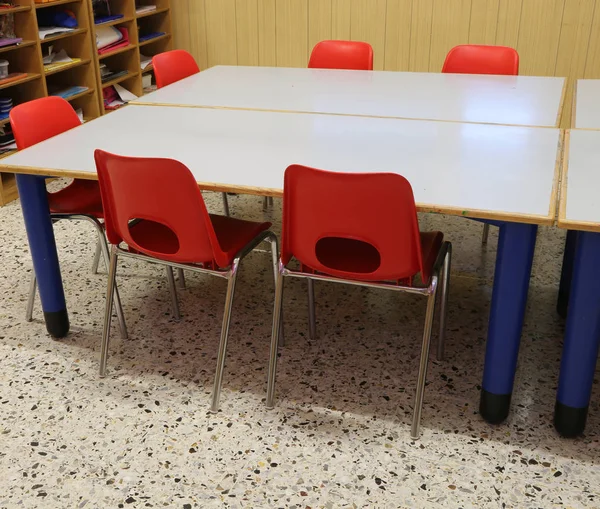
[445, 288]
[97, 255]
[173, 292]
[101, 246]
[230, 275]
[441, 268]
[485, 234]
[225, 204]
[312, 324]
[181, 278]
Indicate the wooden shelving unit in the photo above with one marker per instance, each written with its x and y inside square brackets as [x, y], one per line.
[26, 57]
[80, 43]
[128, 58]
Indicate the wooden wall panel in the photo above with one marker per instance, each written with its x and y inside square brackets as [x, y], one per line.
[449, 27]
[319, 21]
[592, 64]
[573, 46]
[484, 21]
[180, 13]
[291, 17]
[267, 33]
[420, 37]
[509, 21]
[366, 23]
[397, 35]
[197, 28]
[341, 14]
[221, 36]
[246, 22]
[539, 34]
[553, 37]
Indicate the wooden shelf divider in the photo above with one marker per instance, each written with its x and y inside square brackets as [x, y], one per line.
[128, 57]
[27, 57]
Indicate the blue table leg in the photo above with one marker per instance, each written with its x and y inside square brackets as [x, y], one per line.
[566, 273]
[516, 245]
[34, 202]
[582, 338]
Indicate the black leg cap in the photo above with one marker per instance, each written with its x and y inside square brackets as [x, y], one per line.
[57, 323]
[494, 408]
[569, 421]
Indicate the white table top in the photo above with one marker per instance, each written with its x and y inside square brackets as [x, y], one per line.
[474, 170]
[510, 100]
[586, 112]
[580, 197]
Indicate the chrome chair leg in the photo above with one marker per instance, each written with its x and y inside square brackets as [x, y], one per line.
[444, 302]
[110, 293]
[214, 407]
[277, 319]
[225, 204]
[97, 255]
[486, 232]
[312, 324]
[181, 278]
[117, 300]
[424, 360]
[265, 203]
[31, 297]
[173, 291]
[275, 256]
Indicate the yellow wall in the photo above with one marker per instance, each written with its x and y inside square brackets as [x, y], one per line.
[553, 37]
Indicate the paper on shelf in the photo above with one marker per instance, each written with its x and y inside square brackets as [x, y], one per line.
[145, 8]
[57, 58]
[105, 36]
[125, 94]
[145, 61]
[49, 31]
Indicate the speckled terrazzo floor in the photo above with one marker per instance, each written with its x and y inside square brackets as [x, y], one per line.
[339, 435]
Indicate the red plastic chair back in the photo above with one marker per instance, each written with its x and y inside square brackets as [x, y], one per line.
[172, 66]
[352, 55]
[479, 59]
[40, 119]
[162, 191]
[351, 225]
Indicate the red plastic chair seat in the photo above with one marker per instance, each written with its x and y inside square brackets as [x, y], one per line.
[348, 55]
[431, 242]
[364, 260]
[482, 59]
[172, 66]
[80, 197]
[232, 234]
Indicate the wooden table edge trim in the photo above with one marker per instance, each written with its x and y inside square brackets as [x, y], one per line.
[278, 193]
[562, 206]
[574, 106]
[563, 222]
[557, 180]
[382, 117]
[561, 105]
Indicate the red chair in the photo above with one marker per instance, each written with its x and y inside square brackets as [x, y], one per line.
[379, 245]
[172, 66]
[480, 59]
[172, 228]
[36, 121]
[351, 55]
